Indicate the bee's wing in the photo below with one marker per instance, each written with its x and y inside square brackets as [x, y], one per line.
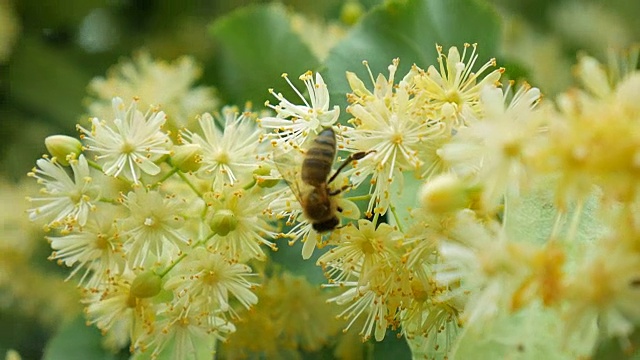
[289, 165]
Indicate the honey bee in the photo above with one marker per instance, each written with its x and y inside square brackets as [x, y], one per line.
[312, 187]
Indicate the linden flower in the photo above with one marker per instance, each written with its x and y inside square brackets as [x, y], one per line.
[115, 311]
[394, 128]
[584, 143]
[603, 296]
[20, 237]
[454, 89]
[601, 81]
[437, 322]
[238, 225]
[359, 249]
[97, 248]
[318, 35]
[64, 200]
[593, 76]
[367, 260]
[205, 280]
[131, 143]
[585, 147]
[182, 333]
[153, 226]
[428, 230]
[374, 295]
[487, 271]
[495, 149]
[169, 85]
[287, 321]
[294, 123]
[228, 155]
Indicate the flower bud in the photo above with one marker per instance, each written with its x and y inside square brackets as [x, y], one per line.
[444, 193]
[187, 157]
[223, 222]
[260, 173]
[62, 147]
[351, 12]
[146, 285]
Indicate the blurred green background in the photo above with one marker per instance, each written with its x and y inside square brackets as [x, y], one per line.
[51, 50]
[58, 47]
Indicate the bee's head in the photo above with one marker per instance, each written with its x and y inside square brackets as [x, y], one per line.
[326, 225]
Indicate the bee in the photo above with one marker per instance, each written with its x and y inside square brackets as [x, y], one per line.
[312, 187]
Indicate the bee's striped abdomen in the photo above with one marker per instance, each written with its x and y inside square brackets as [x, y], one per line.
[319, 158]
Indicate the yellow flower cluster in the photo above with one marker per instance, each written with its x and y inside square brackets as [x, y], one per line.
[284, 322]
[483, 208]
[160, 238]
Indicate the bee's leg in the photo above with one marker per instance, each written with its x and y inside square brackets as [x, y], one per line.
[338, 191]
[347, 161]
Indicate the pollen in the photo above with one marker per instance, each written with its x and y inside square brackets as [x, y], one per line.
[397, 138]
[454, 96]
[222, 157]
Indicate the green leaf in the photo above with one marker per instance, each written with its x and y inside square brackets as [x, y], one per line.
[615, 348]
[289, 258]
[77, 341]
[392, 347]
[405, 199]
[52, 16]
[203, 348]
[533, 333]
[256, 46]
[21, 142]
[21, 332]
[531, 216]
[410, 30]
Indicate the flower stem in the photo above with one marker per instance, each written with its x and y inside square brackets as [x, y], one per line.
[95, 165]
[188, 182]
[396, 217]
[166, 176]
[172, 265]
